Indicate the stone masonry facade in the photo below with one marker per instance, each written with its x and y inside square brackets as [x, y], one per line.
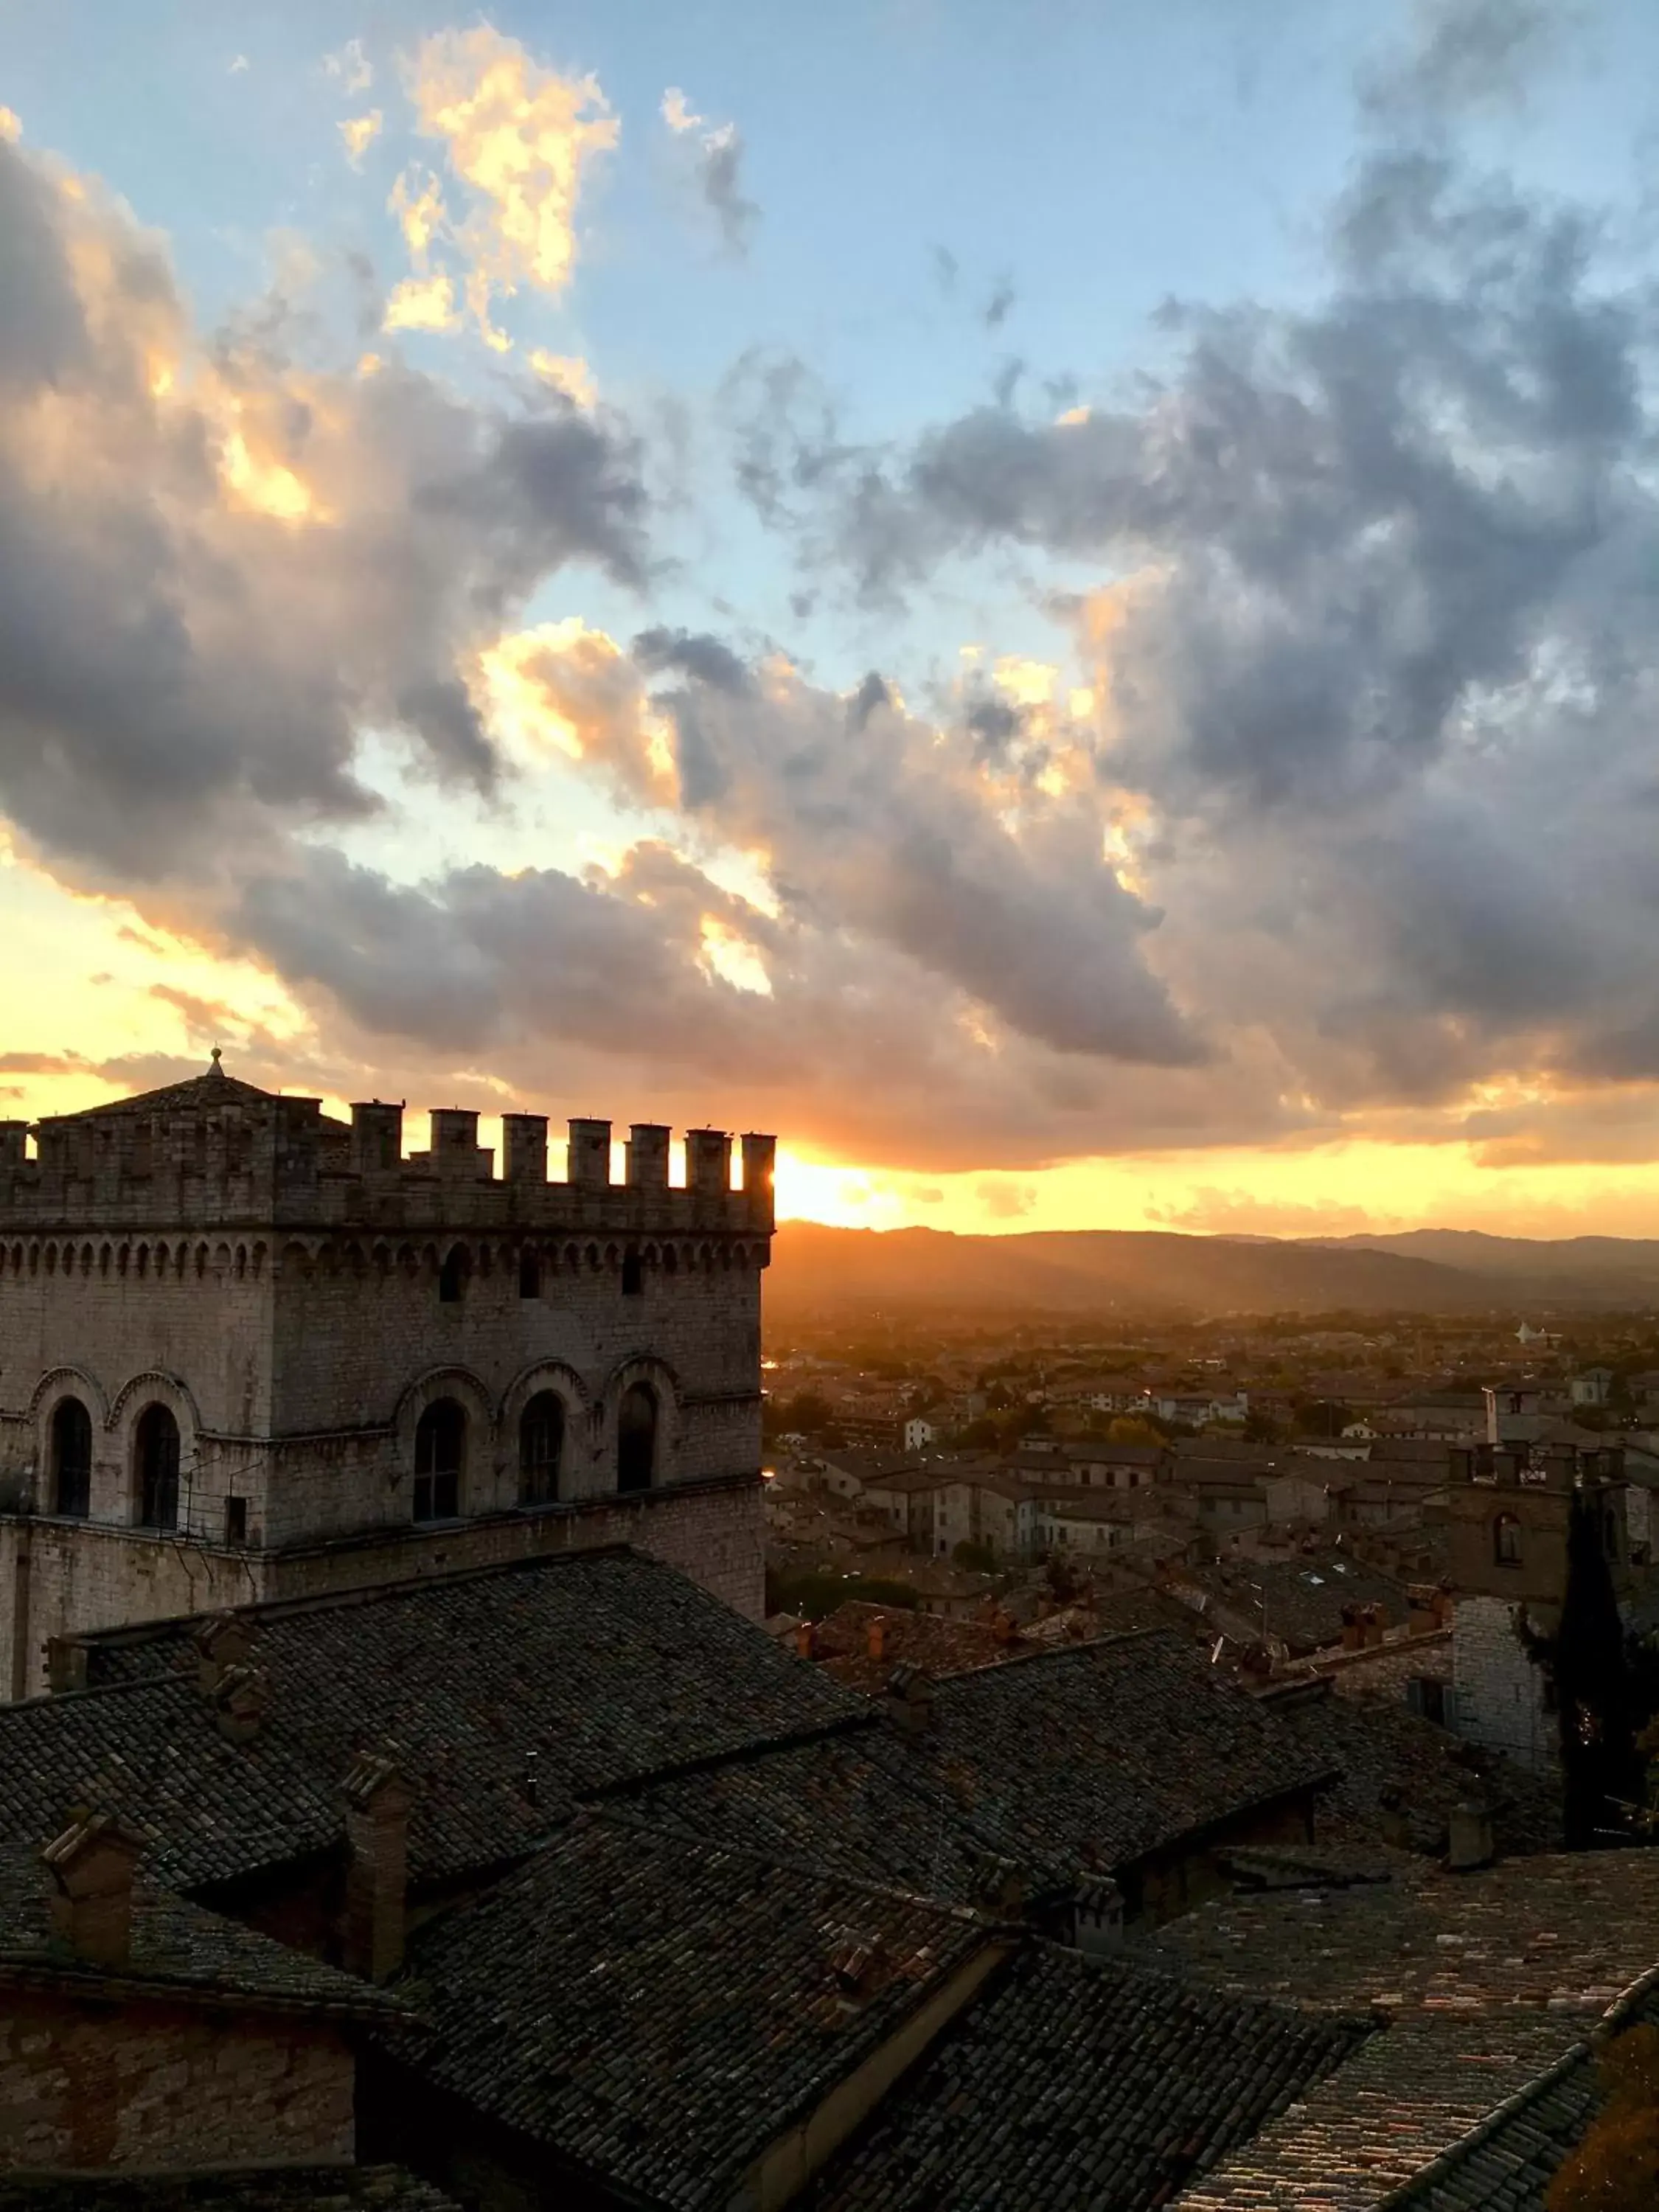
[295, 1297]
[153, 2084]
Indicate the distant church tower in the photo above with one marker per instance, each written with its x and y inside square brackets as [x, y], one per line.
[248, 1351]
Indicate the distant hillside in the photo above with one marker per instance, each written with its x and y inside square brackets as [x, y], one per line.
[1093, 1270]
[1569, 1270]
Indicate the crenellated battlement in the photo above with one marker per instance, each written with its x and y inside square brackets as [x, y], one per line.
[215, 1151]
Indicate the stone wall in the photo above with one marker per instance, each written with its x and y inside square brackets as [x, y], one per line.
[151, 2084]
[1501, 1697]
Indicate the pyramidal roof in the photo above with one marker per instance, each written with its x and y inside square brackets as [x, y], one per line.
[212, 1088]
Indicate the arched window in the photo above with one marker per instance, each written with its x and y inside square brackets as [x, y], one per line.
[439, 1454]
[452, 1276]
[541, 1447]
[71, 1459]
[633, 1275]
[1506, 1540]
[529, 1274]
[157, 1444]
[636, 1437]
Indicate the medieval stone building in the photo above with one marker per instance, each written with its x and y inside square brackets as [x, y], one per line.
[1510, 1509]
[248, 1351]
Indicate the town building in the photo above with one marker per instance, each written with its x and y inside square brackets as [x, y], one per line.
[247, 1350]
[1510, 1509]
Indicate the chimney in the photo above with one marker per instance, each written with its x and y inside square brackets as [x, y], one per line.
[910, 1700]
[1098, 1920]
[1003, 1626]
[220, 1643]
[806, 1641]
[91, 1867]
[1470, 1843]
[1000, 1886]
[240, 1699]
[377, 1803]
[877, 1636]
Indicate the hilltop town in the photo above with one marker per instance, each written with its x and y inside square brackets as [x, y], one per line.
[488, 1730]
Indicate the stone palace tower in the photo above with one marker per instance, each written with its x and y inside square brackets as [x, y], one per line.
[248, 1351]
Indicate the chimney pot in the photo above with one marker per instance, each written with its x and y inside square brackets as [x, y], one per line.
[806, 1641]
[877, 1636]
[910, 1699]
[240, 1699]
[377, 1805]
[91, 1868]
[220, 1643]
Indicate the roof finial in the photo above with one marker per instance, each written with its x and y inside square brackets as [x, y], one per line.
[218, 1056]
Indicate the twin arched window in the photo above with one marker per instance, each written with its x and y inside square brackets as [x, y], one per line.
[71, 1459]
[156, 1449]
[440, 1459]
[541, 1449]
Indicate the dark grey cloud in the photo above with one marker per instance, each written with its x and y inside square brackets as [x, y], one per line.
[1467, 54]
[720, 171]
[712, 662]
[997, 308]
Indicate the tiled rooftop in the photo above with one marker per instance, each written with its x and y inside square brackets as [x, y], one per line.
[662, 2011]
[1094, 1756]
[1067, 2086]
[175, 1947]
[1299, 1601]
[1380, 1746]
[1409, 2097]
[1492, 1982]
[506, 1695]
[286, 2189]
[1563, 1933]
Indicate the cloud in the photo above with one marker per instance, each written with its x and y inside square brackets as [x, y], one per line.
[350, 68]
[1467, 54]
[422, 303]
[217, 566]
[1217, 1213]
[567, 373]
[519, 142]
[1004, 1200]
[718, 168]
[359, 133]
[998, 307]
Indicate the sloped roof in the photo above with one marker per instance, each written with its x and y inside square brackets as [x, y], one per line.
[1066, 2085]
[506, 1694]
[659, 2011]
[176, 1948]
[1098, 1755]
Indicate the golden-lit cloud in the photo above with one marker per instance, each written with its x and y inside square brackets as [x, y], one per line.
[423, 303]
[677, 113]
[569, 373]
[731, 956]
[418, 206]
[520, 139]
[359, 132]
[11, 128]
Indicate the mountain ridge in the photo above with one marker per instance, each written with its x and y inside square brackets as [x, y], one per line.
[1081, 1270]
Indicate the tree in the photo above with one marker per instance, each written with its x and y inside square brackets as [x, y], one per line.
[975, 1559]
[1134, 1428]
[1616, 2167]
[1600, 1766]
[1260, 1429]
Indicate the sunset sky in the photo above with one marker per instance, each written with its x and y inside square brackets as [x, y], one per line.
[1056, 601]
